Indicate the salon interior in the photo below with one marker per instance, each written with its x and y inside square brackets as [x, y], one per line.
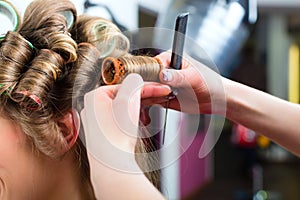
[255, 42]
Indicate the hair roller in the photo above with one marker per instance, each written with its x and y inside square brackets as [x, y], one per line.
[12, 14]
[33, 88]
[102, 33]
[15, 54]
[70, 17]
[114, 70]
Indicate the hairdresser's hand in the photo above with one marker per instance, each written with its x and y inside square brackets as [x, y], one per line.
[199, 88]
[111, 116]
[111, 119]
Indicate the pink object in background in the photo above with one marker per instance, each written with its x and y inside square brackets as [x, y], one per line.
[194, 172]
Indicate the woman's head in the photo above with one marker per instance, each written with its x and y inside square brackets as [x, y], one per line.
[46, 67]
[26, 173]
[34, 60]
[39, 126]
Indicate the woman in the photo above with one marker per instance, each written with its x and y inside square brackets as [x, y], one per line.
[44, 75]
[42, 157]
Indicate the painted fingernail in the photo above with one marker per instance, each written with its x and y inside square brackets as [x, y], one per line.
[167, 76]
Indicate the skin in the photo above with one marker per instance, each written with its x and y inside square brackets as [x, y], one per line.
[26, 174]
[265, 114]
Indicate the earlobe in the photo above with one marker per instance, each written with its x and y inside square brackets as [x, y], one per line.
[70, 125]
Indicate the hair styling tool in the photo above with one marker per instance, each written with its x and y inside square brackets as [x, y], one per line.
[8, 10]
[176, 59]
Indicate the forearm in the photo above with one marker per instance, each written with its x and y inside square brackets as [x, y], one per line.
[111, 183]
[273, 117]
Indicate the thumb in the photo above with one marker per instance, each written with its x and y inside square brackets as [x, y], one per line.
[174, 78]
[126, 105]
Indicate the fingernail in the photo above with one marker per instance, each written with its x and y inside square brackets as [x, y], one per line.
[166, 87]
[167, 76]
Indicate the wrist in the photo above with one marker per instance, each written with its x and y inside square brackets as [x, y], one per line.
[230, 100]
[233, 101]
[218, 98]
[241, 102]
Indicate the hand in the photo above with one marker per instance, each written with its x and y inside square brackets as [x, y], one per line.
[110, 118]
[199, 88]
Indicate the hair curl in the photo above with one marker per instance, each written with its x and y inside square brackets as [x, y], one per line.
[46, 69]
[102, 33]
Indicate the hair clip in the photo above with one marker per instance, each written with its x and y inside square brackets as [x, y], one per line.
[19, 36]
[3, 92]
[29, 43]
[1, 85]
[8, 11]
[35, 105]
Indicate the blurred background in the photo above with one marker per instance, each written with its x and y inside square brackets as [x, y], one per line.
[255, 42]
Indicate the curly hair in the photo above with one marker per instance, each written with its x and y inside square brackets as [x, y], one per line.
[38, 63]
[47, 66]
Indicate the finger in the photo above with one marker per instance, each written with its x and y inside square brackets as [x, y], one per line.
[155, 90]
[154, 101]
[174, 78]
[165, 58]
[144, 115]
[130, 87]
[102, 125]
[107, 91]
[162, 101]
[103, 139]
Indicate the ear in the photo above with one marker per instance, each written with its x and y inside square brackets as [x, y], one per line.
[70, 125]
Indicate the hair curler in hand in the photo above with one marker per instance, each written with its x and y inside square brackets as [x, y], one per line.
[114, 70]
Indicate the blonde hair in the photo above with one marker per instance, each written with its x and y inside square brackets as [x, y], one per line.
[102, 33]
[46, 67]
[34, 59]
[36, 80]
